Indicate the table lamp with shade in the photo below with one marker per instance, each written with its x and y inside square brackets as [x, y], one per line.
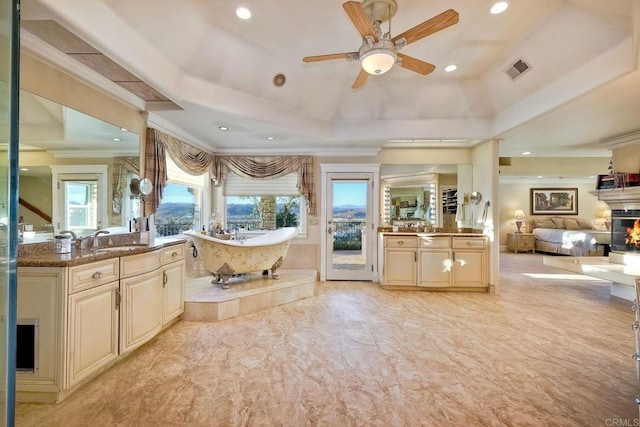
[519, 214]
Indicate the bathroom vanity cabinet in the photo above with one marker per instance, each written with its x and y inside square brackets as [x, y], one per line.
[87, 316]
[434, 261]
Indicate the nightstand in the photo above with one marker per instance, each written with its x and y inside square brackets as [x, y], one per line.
[521, 242]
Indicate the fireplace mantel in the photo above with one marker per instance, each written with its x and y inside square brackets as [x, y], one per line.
[619, 198]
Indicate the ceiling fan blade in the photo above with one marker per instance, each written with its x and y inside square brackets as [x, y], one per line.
[327, 57]
[360, 80]
[413, 64]
[359, 17]
[439, 22]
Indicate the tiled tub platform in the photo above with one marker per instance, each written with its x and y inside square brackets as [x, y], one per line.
[247, 293]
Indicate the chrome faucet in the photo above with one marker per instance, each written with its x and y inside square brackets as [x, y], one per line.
[73, 235]
[96, 245]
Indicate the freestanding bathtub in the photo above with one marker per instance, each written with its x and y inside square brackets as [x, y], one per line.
[224, 258]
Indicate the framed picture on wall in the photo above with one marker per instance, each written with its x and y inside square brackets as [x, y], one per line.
[554, 201]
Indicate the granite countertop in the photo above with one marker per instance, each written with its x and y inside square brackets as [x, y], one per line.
[43, 255]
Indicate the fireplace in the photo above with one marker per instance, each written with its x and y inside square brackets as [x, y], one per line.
[625, 230]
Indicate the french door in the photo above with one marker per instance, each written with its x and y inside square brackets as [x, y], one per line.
[349, 229]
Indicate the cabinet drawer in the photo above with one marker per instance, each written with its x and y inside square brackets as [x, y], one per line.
[90, 275]
[401, 242]
[173, 253]
[526, 241]
[141, 263]
[434, 242]
[469, 242]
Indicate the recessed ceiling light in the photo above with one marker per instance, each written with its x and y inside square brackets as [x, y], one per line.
[270, 138]
[526, 153]
[243, 13]
[123, 130]
[24, 169]
[539, 176]
[116, 139]
[223, 128]
[499, 7]
[450, 68]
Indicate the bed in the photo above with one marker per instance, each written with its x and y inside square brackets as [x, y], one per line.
[569, 236]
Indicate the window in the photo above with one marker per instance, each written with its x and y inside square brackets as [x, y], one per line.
[182, 202]
[263, 204]
[79, 198]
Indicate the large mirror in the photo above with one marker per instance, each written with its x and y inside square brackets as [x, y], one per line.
[75, 171]
[423, 194]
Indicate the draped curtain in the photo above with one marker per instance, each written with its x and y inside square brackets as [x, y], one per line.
[271, 167]
[155, 168]
[194, 161]
[122, 166]
[188, 158]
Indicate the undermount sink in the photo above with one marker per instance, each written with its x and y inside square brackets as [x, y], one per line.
[119, 248]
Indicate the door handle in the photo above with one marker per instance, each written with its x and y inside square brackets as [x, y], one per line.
[329, 230]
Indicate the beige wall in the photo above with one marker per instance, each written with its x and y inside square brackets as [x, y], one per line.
[36, 191]
[627, 159]
[485, 180]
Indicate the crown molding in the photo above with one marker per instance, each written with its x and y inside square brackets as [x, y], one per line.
[308, 151]
[622, 140]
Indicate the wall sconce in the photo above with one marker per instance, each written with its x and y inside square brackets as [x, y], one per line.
[519, 217]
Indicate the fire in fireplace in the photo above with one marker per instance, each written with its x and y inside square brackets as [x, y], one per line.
[625, 230]
[632, 237]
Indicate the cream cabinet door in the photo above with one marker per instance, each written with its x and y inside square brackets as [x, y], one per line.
[399, 267]
[93, 331]
[469, 268]
[140, 309]
[173, 295]
[434, 267]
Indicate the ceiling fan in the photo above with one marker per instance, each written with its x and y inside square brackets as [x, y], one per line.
[379, 52]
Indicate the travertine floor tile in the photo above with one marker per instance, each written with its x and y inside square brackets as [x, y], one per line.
[548, 351]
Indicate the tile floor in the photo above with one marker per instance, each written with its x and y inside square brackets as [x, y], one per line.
[550, 350]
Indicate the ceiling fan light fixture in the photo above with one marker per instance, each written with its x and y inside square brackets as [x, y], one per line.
[499, 7]
[379, 58]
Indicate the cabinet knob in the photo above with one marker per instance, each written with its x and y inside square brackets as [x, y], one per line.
[637, 400]
[401, 242]
[634, 307]
[97, 275]
[174, 254]
[469, 243]
[636, 356]
[635, 325]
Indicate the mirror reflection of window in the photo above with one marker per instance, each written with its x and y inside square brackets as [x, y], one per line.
[80, 205]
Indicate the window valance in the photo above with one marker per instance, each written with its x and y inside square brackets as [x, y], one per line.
[265, 167]
[194, 161]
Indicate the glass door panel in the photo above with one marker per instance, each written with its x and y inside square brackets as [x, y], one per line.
[348, 227]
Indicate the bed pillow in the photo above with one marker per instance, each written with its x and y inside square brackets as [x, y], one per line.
[584, 224]
[571, 224]
[559, 222]
[543, 223]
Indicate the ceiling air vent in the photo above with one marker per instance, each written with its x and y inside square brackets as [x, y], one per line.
[517, 69]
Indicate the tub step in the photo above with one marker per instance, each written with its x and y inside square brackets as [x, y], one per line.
[208, 302]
